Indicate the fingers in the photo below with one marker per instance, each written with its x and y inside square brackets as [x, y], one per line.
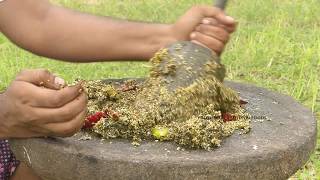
[42, 111]
[214, 32]
[214, 28]
[63, 121]
[48, 98]
[41, 77]
[208, 41]
[63, 114]
[210, 21]
[213, 22]
[68, 128]
[213, 12]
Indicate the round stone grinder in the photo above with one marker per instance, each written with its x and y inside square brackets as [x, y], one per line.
[282, 138]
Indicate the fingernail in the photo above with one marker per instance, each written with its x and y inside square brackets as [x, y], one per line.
[230, 19]
[197, 42]
[59, 81]
[193, 35]
[205, 21]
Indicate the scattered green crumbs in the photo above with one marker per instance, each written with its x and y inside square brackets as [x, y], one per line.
[197, 116]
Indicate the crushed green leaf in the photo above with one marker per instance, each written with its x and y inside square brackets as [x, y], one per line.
[190, 116]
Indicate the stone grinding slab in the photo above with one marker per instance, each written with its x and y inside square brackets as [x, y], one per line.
[273, 149]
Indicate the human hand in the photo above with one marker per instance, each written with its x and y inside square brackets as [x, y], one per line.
[205, 25]
[29, 110]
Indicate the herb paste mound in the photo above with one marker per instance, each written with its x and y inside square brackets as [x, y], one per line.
[198, 116]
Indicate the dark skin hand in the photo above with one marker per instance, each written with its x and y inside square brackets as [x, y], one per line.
[34, 105]
[73, 36]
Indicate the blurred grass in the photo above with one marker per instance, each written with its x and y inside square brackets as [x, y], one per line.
[277, 46]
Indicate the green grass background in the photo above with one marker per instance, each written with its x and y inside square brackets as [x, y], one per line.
[277, 46]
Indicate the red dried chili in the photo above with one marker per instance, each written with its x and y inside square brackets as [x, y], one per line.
[93, 119]
[228, 117]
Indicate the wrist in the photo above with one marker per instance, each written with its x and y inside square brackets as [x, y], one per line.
[162, 39]
[169, 36]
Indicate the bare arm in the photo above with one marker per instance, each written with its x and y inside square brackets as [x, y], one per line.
[60, 33]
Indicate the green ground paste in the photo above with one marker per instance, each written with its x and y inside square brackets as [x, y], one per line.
[191, 116]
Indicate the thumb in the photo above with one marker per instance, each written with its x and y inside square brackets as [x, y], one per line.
[216, 13]
[41, 77]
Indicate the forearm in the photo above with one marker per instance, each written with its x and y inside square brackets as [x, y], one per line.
[60, 33]
[75, 36]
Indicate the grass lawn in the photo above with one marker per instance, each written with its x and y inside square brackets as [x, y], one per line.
[277, 46]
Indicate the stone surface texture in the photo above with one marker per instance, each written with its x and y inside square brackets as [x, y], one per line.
[275, 149]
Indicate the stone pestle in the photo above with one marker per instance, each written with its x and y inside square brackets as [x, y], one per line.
[187, 61]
